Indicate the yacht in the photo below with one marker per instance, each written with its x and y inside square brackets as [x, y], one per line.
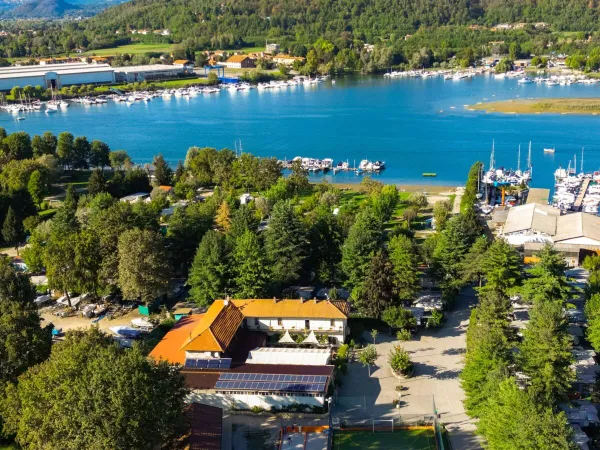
[525, 80]
[549, 150]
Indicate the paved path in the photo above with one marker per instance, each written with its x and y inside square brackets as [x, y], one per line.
[438, 359]
[459, 193]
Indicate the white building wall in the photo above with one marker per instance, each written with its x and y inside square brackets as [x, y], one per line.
[248, 401]
[6, 84]
[332, 327]
[85, 78]
[580, 241]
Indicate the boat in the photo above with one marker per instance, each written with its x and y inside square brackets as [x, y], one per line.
[429, 174]
[20, 118]
[140, 322]
[126, 332]
[549, 150]
[525, 80]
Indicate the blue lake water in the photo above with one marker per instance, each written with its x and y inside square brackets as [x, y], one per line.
[415, 125]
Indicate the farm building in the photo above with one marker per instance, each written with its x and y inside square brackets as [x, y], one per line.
[55, 75]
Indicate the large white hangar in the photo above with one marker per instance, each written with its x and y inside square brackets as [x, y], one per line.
[55, 75]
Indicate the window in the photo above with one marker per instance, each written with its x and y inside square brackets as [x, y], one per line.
[280, 322]
[307, 324]
[332, 323]
[256, 322]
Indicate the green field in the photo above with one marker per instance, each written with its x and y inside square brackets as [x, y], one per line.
[398, 440]
[134, 49]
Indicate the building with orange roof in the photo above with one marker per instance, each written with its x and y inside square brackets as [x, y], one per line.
[215, 347]
[287, 60]
[239, 62]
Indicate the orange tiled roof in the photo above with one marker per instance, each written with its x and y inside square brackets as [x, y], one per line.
[216, 330]
[166, 188]
[293, 308]
[169, 348]
[181, 61]
[237, 58]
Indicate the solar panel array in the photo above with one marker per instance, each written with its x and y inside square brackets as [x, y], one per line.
[215, 363]
[271, 382]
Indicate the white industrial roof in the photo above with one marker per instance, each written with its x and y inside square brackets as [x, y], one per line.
[64, 69]
[534, 217]
[296, 356]
[148, 68]
[45, 67]
[571, 226]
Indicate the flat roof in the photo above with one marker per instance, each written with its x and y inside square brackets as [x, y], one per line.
[538, 195]
[37, 67]
[148, 68]
[533, 216]
[66, 69]
[294, 356]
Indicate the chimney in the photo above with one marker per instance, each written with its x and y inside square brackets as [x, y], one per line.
[315, 299]
[301, 299]
[226, 302]
[274, 299]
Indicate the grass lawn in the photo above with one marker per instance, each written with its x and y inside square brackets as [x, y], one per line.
[133, 49]
[398, 440]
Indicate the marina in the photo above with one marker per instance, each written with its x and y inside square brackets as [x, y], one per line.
[360, 117]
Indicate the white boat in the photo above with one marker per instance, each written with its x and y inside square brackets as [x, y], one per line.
[525, 80]
[140, 322]
[549, 150]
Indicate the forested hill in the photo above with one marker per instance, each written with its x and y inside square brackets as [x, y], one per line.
[306, 20]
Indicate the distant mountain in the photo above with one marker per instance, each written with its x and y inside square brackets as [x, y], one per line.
[52, 9]
[41, 9]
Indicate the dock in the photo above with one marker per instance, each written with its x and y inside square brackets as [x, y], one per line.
[581, 195]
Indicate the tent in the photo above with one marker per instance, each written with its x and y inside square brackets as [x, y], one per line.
[286, 339]
[311, 338]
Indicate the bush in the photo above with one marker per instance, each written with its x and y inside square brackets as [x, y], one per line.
[436, 319]
[404, 335]
[399, 361]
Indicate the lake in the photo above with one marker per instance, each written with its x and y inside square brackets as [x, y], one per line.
[415, 125]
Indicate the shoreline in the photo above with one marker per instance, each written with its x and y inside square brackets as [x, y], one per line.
[413, 187]
[563, 106]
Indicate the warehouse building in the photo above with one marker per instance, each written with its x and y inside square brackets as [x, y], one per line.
[149, 72]
[55, 75]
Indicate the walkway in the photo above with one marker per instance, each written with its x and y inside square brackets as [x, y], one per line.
[582, 192]
[438, 359]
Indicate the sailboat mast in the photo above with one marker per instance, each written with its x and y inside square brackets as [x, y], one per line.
[529, 157]
[492, 162]
[519, 159]
[575, 162]
[582, 159]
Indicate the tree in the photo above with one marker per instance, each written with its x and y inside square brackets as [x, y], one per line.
[14, 286]
[325, 237]
[143, 265]
[136, 180]
[379, 291]
[502, 267]
[514, 421]
[81, 153]
[12, 228]
[119, 160]
[244, 218]
[547, 280]
[385, 201]
[285, 244]
[545, 353]
[399, 360]
[471, 267]
[418, 199]
[87, 262]
[223, 218]
[65, 149]
[250, 272]
[97, 182]
[99, 154]
[592, 313]
[404, 259]
[35, 187]
[208, 274]
[399, 317]
[59, 259]
[364, 238]
[368, 356]
[410, 214]
[124, 392]
[442, 210]
[162, 172]
[17, 146]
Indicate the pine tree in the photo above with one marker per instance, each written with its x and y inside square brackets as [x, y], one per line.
[379, 291]
[12, 228]
[545, 353]
[162, 172]
[250, 272]
[244, 219]
[404, 259]
[97, 182]
[502, 267]
[285, 244]
[364, 239]
[223, 218]
[208, 274]
[513, 420]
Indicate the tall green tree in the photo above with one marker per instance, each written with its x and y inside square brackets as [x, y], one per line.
[285, 244]
[545, 353]
[364, 239]
[403, 257]
[251, 274]
[472, 268]
[87, 262]
[36, 187]
[502, 267]
[592, 313]
[123, 391]
[65, 149]
[513, 420]
[12, 228]
[81, 153]
[17, 146]
[99, 154]
[325, 237]
[97, 182]
[143, 265]
[385, 201]
[379, 290]
[208, 275]
[162, 172]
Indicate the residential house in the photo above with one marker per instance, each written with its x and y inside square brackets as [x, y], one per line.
[272, 48]
[287, 60]
[239, 62]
